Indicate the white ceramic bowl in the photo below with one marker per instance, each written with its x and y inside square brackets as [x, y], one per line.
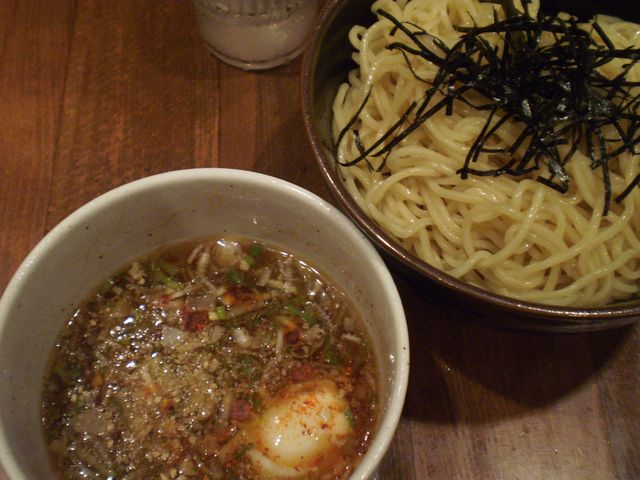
[131, 220]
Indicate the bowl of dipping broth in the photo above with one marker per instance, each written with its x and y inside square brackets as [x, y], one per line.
[206, 323]
[470, 203]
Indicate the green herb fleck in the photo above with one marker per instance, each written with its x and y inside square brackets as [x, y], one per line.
[234, 276]
[255, 250]
[220, 312]
[251, 261]
[305, 314]
[159, 276]
[332, 355]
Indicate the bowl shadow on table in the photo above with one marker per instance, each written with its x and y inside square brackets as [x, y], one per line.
[463, 371]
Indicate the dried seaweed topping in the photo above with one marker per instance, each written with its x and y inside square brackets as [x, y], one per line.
[553, 89]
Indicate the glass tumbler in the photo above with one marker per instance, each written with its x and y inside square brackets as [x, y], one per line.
[255, 34]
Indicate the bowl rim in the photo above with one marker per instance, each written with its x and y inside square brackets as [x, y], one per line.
[622, 313]
[399, 357]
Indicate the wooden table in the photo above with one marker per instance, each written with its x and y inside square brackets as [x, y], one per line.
[94, 94]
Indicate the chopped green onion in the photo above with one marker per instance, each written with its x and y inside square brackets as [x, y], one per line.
[307, 315]
[292, 309]
[251, 261]
[255, 250]
[160, 276]
[331, 355]
[299, 301]
[234, 276]
[220, 312]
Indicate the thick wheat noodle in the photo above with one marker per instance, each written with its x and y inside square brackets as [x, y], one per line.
[511, 236]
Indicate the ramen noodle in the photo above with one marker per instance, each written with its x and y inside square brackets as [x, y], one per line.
[512, 236]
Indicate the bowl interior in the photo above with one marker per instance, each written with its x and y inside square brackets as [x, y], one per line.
[130, 221]
[326, 64]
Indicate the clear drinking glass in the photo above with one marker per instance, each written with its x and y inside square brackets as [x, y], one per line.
[255, 34]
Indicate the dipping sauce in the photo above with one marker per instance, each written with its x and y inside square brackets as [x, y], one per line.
[223, 358]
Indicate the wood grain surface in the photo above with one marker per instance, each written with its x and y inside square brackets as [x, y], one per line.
[94, 94]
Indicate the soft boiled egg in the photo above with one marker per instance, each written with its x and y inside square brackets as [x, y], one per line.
[302, 430]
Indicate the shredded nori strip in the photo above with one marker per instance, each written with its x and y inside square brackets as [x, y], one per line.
[554, 90]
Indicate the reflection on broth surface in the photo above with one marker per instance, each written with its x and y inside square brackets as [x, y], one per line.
[223, 358]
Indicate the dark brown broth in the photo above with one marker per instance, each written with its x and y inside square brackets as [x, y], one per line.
[163, 372]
